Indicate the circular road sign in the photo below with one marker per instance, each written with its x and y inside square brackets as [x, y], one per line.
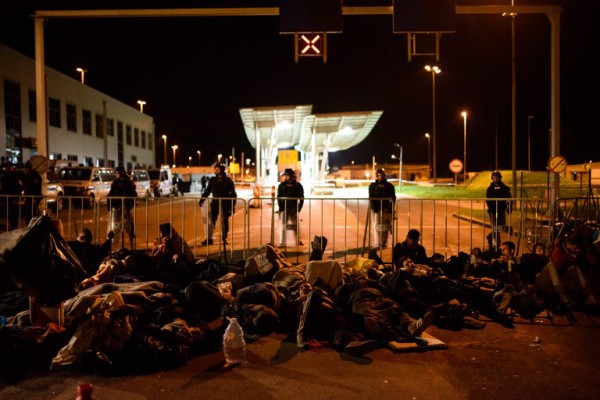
[557, 164]
[39, 163]
[456, 166]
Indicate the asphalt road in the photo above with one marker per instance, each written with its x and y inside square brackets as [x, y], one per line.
[493, 363]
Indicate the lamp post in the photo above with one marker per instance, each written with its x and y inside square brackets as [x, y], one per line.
[174, 147]
[219, 158]
[189, 161]
[141, 103]
[199, 156]
[529, 118]
[399, 164]
[464, 115]
[82, 72]
[434, 71]
[428, 136]
[164, 138]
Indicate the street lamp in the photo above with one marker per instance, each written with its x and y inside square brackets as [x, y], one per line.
[434, 71]
[164, 137]
[399, 164]
[529, 118]
[189, 161]
[464, 115]
[141, 103]
[219, 158]
[174, 147]
[428, 136]
[82, 72]
[199, 156]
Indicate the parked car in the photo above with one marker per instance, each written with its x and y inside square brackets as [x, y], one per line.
[54, 193]
[89, 184]
[142, 183]
[161, 181]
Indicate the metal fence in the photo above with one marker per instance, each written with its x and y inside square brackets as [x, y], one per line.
[447, 226]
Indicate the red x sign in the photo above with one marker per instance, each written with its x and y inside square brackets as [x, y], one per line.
[310, 44]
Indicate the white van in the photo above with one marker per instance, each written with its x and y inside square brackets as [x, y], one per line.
[142, 183]
[90, 183]
[161, 181]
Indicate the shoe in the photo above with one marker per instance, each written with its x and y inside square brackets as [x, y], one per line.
[472, 323]
[358, 348]
[206, 242]
[416, 327]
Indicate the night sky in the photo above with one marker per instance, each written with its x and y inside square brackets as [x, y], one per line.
[195, 74]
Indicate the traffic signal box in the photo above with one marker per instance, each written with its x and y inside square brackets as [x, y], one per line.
[311, 20]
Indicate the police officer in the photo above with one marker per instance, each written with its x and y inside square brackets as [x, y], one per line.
[383, 196]
[222, 189]
[290, 199]
[497, 208]
[120, 200]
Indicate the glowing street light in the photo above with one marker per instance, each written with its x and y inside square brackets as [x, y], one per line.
[141, 103]
[199, 156]
[164, 138]
[174, 147]
[434, 71]
[82, 72]
[464, 115]
[219, 158]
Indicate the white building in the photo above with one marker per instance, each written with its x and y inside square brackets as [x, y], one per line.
[75, 119]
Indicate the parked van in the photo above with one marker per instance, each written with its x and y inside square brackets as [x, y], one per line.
[161, 181]
[142, 183]
[93, 183]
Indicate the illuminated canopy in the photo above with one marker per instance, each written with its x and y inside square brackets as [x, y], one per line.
[282, 124]
[291, 126]
[334, 132]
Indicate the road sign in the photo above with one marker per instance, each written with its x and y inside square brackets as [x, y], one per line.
[557, 164]
[456, 166]
[39, 163]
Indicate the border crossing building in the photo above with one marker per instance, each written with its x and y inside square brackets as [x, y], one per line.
[85, 126]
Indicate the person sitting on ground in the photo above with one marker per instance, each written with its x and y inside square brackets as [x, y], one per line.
[171, 248]
[533, 263]
[563, 277]
[89, 254]
[411, 248]
[504, 265]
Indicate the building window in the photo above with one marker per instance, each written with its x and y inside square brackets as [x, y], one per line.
[136, 137]
[71, 117]
[99, 127]
[88, 161]
[32, 106]
[143, 139]
[150, 140]
[71, 157]
[54, 112]
[111, 163]
[110, 131]
[101, 162]
[12, 108]
[86, 120]
[55, 156]
[119, 131]
[128, 134]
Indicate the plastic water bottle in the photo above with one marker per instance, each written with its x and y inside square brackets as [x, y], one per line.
[234, 345]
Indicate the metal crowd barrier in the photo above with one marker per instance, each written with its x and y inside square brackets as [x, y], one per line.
[447, 226]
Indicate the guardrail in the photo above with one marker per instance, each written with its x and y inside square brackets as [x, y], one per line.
[447, 226]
